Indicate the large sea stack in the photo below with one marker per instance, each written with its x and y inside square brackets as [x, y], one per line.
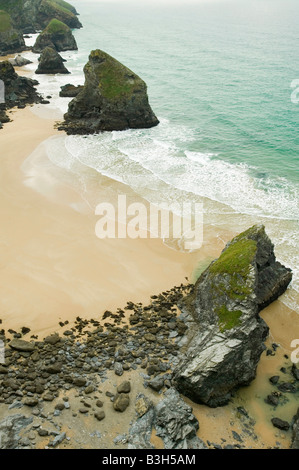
[113, 98]
[50, 62]
[11, 39]
[226, 335]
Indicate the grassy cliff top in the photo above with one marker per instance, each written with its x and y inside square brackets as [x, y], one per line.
[56, 26]
[5, 21]
[115, 79]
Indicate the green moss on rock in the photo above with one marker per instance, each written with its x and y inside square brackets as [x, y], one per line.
[55, 26]
[228, 319]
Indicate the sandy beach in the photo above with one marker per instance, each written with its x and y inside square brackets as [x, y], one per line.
[54, 268]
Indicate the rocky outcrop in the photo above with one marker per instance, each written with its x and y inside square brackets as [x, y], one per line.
[70, 91]
[10, 428]
[172, 419]
[226, 337]
[56, 35]
[18, 90]
[113, 98]
[50, 62]
[11, 39]
[34, 15]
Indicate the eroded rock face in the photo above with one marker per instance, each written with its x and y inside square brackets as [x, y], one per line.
[33, 15]
[226, 338]
[18, 90]
[11, 39]
[56, 35]
[50, 62]
[113, 98]
[295, 432]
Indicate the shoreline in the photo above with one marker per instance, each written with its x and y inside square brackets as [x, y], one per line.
[42, 235]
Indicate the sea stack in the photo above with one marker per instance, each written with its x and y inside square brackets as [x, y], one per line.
[226, 335]
[57, 35]
[113, 98]
[50, 62]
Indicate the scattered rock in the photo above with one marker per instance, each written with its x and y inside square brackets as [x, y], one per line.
[124, 387]
[70, 91]
[19, 61]
[121, 402]
[100, 415]
[280, 424]
[295, 431]
[21, 345]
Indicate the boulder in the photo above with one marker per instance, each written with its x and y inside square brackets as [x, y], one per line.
[226, 336]
[11, 39]
[57, 35]
[34, 15]
[70, 91]
[21, 345]
[50, 62]
[113, 98]
[19, 61]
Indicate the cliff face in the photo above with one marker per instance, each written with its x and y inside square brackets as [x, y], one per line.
[33, 15]
[113, 98]
[57, 35]
[227, 335]
[11, 40]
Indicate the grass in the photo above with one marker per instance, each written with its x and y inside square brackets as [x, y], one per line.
[115, 80]
[5, 22]
[228, 319]
[56, 26]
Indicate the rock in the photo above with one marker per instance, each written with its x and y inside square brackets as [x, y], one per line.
[124, 387]
[50, 62]
[18, 90]
[295, 372]
[272, 399]
[58, 439]
[52, 339]
[21, 345]
[287, 387]
[100, 415]
[157, 383]
[174, 421]
[99, 403]
[113, 98]
[56, 35]
[10, 428]
[226, 335]
[48, 396]
[142, 405]
[280, 424]
[121, 402]
[274, 379]
[35, 15]
[70, 91]
[11, 39]
[3, 370]
[79, 381]
[295, 432]
[118, 368]
[89, 389]
[141, 431]
[53, 368]
[30, 401]
[19, 61]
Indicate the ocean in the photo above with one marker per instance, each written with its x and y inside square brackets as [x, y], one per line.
[221, 78]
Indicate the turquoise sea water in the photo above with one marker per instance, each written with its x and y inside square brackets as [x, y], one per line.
[219, 78]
